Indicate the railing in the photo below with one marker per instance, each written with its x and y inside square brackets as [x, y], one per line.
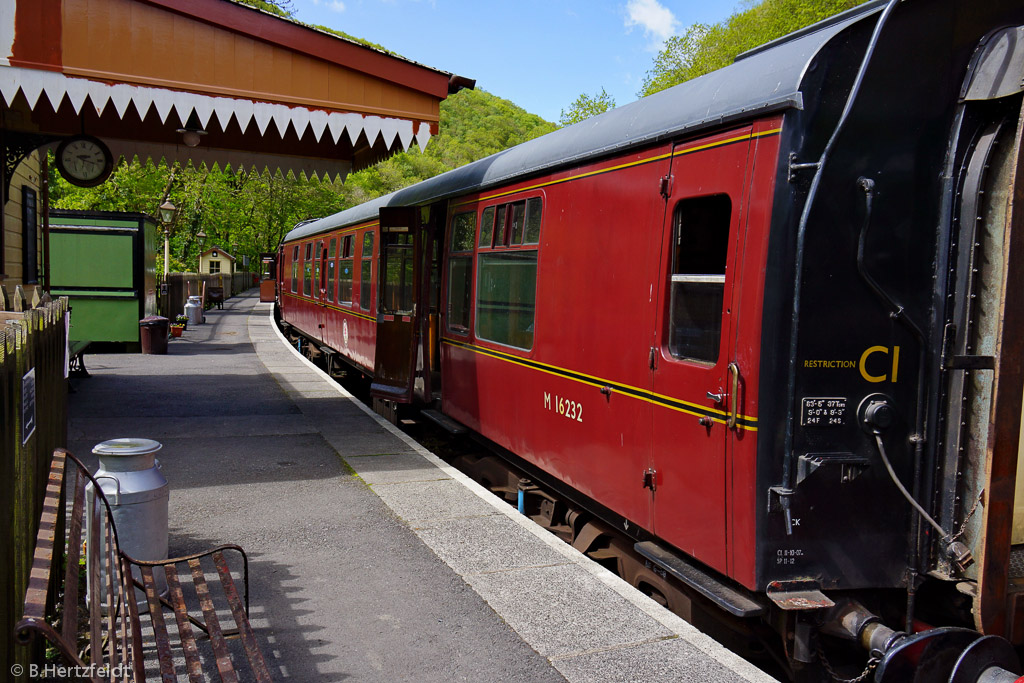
[181, 285]
[33, 412]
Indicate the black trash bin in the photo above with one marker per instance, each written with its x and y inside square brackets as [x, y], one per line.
[153, 331]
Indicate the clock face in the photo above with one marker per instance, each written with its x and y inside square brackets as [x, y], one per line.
[84, 160]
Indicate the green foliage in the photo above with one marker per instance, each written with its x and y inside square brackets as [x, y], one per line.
[252, 210]
[255, 210]
[702, 49]
[474, 124]
[585, 106]
[282, 8]
[354, 39]
[286, 8]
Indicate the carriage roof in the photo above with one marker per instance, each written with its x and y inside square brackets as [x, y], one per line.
[759, 82]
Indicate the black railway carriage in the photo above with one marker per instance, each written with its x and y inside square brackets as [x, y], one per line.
[768, 324]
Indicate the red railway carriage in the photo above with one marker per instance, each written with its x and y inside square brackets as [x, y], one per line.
[575, 371]
[327, 288]
[763, 324]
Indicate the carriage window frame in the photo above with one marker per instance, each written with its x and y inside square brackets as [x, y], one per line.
[366, 270]
[346, 264]
[696, 289]
[319, 272]
[487, 227]
[332, 269]
[307, 271]
[397, 258]
[507, 321]
[295, 269]
[460, 273]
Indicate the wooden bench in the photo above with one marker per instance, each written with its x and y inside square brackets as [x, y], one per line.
[76, 358]
[107, 636]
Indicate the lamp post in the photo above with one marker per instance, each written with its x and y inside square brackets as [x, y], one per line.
[200, 237]
[167, 211]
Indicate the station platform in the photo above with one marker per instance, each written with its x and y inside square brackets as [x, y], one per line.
[370, 558]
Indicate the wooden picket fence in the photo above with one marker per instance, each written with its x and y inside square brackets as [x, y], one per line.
[34, 409]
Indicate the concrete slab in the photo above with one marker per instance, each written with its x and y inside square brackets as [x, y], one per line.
[162, 428]
[553, 609]
[394, 468]
[417, 502]
[666, 660]
[355, 443]
[482, 545]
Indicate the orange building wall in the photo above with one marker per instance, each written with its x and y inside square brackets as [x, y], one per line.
[128, 41]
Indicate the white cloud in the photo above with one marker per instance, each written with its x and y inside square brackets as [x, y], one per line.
[334, 5]
[655, 19]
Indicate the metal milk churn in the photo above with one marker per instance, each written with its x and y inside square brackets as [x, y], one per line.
[130, 478]
[194, 310]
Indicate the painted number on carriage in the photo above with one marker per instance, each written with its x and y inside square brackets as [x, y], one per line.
[564, 406]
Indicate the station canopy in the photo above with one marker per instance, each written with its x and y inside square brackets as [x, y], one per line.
[247, 88]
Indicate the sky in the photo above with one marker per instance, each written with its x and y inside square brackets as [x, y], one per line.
[540, 54]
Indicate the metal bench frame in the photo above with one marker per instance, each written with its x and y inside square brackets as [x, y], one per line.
[117, 626]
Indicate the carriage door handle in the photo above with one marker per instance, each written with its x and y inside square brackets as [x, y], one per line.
[734, 390]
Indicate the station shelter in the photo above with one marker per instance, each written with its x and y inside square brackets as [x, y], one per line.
[214, 81]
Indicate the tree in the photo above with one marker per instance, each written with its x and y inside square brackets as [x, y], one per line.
[585, 106]
[256, 209]
[682, 58]
[474, 124]
[703, 49]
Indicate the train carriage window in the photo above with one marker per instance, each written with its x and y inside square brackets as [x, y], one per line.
[506, 297]
[533, 207]
[307, 271]
[366, 271]
[318, 271]
[506, 290]
[499, 226]
[697, 281]
[463, 231]
[460, 270]
[515, 224]
[332, 269]
[487, 227]
[295, 269]
[397, 248]
[345, 268]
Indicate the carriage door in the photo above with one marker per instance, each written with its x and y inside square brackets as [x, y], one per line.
[692, 353]
[321, 288]
[398, 274]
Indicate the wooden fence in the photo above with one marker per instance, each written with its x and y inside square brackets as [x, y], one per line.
[180, 285]
[34, 409]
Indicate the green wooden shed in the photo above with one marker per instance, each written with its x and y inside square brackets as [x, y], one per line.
[105, 263]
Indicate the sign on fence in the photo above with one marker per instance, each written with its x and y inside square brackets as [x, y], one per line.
[28, 405]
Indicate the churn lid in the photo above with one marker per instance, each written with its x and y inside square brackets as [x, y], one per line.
[127, 446]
